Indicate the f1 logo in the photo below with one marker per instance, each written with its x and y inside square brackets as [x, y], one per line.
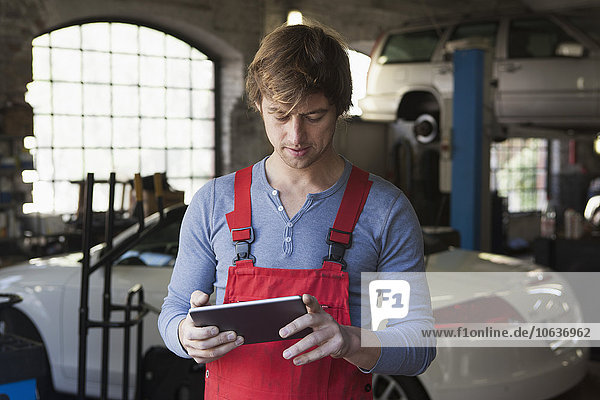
[389, 299]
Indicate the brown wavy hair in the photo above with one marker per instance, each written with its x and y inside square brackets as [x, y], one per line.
[298, 60]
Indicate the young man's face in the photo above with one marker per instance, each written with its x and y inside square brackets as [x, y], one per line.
[303, 136]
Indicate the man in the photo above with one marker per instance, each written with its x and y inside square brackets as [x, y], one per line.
[284, 214]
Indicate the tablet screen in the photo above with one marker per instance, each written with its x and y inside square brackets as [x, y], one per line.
[257, 321]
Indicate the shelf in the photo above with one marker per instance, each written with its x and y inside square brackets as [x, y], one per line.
[14, 159]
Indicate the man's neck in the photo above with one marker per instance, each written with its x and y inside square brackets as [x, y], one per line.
[318, 177]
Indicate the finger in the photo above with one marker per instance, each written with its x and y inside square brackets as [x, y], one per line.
[215, 341]
[192, 332]
[314, 339]
[312, 305]
[198, 298]
[318, 353]
[208, 355]
[302, 322]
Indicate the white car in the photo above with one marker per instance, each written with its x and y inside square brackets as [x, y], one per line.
[544, 72]
[50, 288]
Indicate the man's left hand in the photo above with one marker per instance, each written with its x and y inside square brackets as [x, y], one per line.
[329, 337]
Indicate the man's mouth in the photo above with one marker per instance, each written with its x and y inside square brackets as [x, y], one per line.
[297, 152]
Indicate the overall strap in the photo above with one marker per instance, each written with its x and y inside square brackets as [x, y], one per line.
[240, 219]
[339, 237]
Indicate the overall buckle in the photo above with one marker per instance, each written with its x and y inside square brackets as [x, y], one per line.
[336, 248]
[239, 232]
[338, 232]
[242, 247]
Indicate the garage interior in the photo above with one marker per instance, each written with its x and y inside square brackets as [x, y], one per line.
[63, 116]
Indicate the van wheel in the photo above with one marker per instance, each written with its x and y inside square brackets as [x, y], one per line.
[425, 128]
[17, 323]
[396, 387]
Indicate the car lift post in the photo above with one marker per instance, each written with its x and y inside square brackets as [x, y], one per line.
[469, 197]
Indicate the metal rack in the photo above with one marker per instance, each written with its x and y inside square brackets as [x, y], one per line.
[107, 260]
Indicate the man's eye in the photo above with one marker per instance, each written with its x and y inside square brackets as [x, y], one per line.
[314, 119]
[282, 118]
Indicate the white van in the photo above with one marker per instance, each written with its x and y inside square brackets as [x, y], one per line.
[546, 72]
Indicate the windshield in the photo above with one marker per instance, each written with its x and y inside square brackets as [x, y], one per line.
[158, 248]
[485, 30]
[409, 47]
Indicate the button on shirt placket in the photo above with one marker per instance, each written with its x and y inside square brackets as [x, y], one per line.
[287, 233]
[287, 239]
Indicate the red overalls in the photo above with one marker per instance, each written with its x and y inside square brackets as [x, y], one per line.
[259, 371]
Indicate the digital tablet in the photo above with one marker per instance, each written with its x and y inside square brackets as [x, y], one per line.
[257, 321]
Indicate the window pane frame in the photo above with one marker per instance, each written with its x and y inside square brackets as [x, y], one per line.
[69, 97]
[519, 171]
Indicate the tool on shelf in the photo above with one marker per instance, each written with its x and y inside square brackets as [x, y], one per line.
[158, 192]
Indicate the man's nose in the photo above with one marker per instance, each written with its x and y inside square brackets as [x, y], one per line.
[296, 129]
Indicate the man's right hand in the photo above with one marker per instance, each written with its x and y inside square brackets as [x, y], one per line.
[205, 344]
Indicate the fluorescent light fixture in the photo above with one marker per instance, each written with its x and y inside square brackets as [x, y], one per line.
[294, 17]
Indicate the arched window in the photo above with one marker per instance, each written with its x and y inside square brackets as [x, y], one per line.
[118, 97]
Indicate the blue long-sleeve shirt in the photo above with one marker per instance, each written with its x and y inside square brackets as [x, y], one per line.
[387, 238]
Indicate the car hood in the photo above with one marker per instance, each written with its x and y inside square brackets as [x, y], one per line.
[490, 281]
[56, 270]
[461, 260]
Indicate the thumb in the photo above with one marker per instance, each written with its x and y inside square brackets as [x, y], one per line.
[198, 298]
[311, 303]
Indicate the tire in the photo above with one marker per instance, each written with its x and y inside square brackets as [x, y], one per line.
[169, 377]
[426, 128]
[395, 387]
[17, 323]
